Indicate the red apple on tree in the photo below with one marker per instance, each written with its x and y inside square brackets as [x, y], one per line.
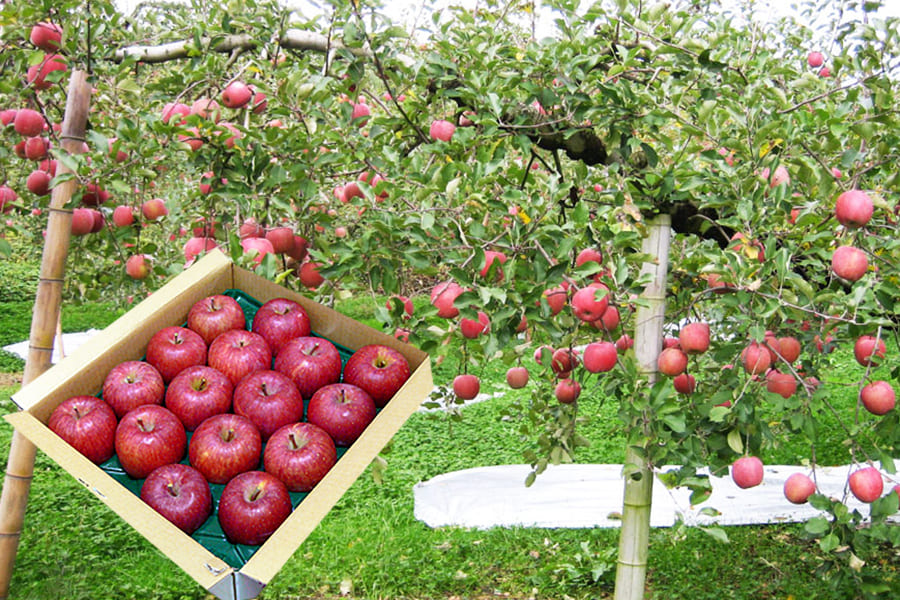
[342, 410]
[123, 216]
[475, 328]
[46, 36]
[869, 350]
[238, 352]
[466, 387]
[88, 424]
[849, 262]
[236, 94]
[590, 302]
[556, 297]
[154, 209]
[815, 59]
[214, 315]
[311, 362]
[672, 361]
[517, 377]
[783, 384]
[269, 399]
[197, 393]
[798, 488]
[443, 295]
[878, 397]
[280, 320]
[567, 391]
[379, 370]
[137, 266]
[180, 494]
[755, 358]
[131, 384]
[300, 455]
[173, 349]
[148, 437]
[747, 472]
[685, 384]
[694, 338]
[252, 506]
[866, 484]
[310, 276]
[853, 209]
[441, 130]
[29, 122]
[224, 446]
[563, 360]
[600, 357]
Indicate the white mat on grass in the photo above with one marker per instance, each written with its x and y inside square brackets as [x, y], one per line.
[579, 496]
[70, 342]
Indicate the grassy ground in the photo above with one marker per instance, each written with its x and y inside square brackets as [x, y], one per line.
[370, 546]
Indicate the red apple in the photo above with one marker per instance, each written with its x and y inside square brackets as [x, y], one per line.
[789, 348]
[123, 216]
[180, 494]
[252, 506]
[36, 75]
[783, 384]
[517, 377]
[815, 59]
[138, 266]
[624, 343]
[214, 315]
[361, 112]
[280, 320]
[310, 276]
[343, 410]
[196, 246]
[224, 446]
[491, 257]
[131, 384]
[556, 297]
[238, 352]
[567, 391]
[258, 247]
[475, 328]
[672, 361]
[46, 36]
[747, 472]
[7, 116]
[38, 182]
[379, 370]
[755, 358]
[300, 455]
[269, 399]
[878, 397]
[853, 209]
[311, 362]
[867, 350]
[197, 393]
[609, 321]
[798, 488]
[281, 238]
[173, 349]
[466, 387]
[564, 360]
[154, 209]
[88, 424]
[443, 295]
[590, 302]
[36, 148]
[866, 484]
[259, 103]
[441, 130]
[148, 437]
[7, 197]
[29, 123]
[849, 262]
[82, 221]
[589, 255]
[300, 248]
[236, 94]
[115, 151]
[685, 384]
[694, 338]
[405, 302]
[600, 357]
[177, 110]
[206, 108]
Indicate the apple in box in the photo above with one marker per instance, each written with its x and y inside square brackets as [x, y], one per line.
[252, 506]
[311, 363]
[198, 393]
[224, 446]
[300, 455]
[214, 315]
[180, 494]
[131, 384]
[148, 437]
[379, 370]
[269, 399]
[280, 320]
[343, 410]
[173, 349]
[239, 352]
[88, 424]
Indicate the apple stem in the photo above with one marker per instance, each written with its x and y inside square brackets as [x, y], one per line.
[172, 489]
[77, 412]
[295, 442]
[227, 435]
[255, 494]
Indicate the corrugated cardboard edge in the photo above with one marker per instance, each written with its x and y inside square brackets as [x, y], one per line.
[126, 339]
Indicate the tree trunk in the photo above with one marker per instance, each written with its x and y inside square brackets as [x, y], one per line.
[20, 464]
[634, 536]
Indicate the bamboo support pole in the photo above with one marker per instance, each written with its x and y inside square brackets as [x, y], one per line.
[45, 316]
[634, 536]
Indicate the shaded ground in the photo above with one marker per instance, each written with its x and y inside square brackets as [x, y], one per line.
[10, 379]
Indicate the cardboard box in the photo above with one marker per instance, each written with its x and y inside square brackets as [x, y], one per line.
[126, 339]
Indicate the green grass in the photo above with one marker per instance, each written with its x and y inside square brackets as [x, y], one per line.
[74, 547]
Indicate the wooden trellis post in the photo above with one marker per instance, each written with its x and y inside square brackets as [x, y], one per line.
[20, 464]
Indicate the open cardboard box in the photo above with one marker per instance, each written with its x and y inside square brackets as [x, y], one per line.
[83, 372]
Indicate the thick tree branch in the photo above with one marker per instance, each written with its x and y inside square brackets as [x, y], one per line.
[292, 39]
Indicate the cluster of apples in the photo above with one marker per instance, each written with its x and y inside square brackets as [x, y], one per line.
[853, 209]
[232, 400]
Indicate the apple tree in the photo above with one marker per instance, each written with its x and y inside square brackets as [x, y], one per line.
[640, 170]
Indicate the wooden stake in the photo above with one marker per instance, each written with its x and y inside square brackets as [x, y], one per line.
[45, 316]
[634, 536]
